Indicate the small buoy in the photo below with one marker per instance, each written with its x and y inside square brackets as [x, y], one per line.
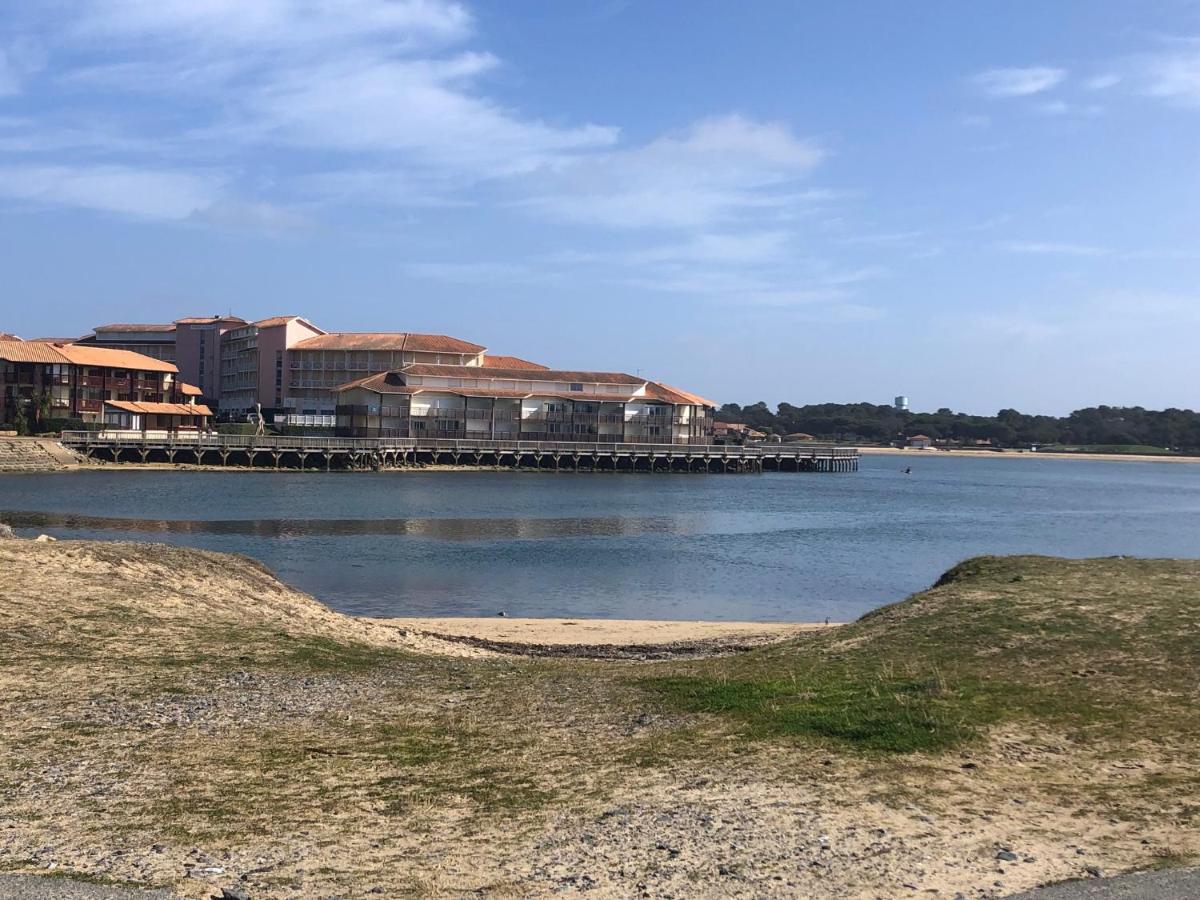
[502, 614]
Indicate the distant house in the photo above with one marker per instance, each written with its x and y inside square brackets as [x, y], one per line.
[730, 432]
[797, 436]
[919, 442]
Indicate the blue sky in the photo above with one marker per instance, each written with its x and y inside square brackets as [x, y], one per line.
[979, 205]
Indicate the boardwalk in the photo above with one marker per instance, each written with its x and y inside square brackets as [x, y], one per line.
[328, 453]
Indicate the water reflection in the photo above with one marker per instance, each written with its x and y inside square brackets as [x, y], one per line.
[433, 528]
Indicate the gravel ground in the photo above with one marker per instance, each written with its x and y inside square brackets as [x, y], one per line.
[39, 887]
[1173, 884]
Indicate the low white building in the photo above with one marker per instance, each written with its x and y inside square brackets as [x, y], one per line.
[521, 404]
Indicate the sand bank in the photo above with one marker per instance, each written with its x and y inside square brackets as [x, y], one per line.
[603, 638]
[913, 453]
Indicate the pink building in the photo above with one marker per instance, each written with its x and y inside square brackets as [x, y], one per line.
[198, 351]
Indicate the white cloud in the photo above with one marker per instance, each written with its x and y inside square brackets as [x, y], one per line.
[18, 61]
[364, 78]
[140, 193]
[1102, 82]
[273, 23]
[1018, 82]
[1173, 75]
[716, 170]
[1062, 108]
[247, 216]
[1015, 327]
[1049, 248]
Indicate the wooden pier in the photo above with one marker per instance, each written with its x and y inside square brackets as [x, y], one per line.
[330, 453]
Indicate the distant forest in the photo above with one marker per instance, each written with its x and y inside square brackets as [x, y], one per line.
[1174, 429]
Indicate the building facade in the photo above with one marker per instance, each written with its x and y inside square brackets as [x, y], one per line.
[155, 341]
[318, 366]
[41, 380]
[198, 352]
[487, 402]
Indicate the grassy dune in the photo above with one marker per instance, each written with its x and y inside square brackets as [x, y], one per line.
[170, 698]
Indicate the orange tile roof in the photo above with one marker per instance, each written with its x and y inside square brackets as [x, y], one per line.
[275, 321]
[388, 340]
[5, 336]
[665, 392]
[206, 320]
[30, 352]
[190, 390]
[380, 382]
[125, 326]
[82, 355]
[521, 374]
[511, 362]
[160, 409]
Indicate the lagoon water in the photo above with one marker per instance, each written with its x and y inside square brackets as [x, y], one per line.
[763, 547]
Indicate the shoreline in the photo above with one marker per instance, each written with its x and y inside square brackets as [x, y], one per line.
[914, 453]
[594, 638]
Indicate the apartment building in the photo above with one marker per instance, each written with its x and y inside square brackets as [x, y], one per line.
[254, 361]
[488, 402]
[317, 366]
[198, 352]
[43, 380]
[155, 341]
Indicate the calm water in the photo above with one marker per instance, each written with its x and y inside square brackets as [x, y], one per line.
[774, 546]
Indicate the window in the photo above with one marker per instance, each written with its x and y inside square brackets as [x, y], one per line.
[576, 386]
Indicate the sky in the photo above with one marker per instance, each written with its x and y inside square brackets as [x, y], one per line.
[979, 205]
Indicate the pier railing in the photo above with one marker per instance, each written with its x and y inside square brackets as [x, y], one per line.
[213, 441]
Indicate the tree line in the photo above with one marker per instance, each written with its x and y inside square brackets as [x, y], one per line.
[1175, 429]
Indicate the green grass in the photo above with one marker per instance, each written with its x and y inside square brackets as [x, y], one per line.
[1067, 643]
[885, 713]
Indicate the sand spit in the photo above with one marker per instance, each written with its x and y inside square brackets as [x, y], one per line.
[605, 638]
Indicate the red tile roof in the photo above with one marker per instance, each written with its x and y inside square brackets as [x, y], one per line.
[521, 374]
[659, 391]
[511, 362]
[381, 383]
[161, 409]
[5, 336]
[124, 326]
[41, 352]
[30, 352]
[207, 320]
[389, 340]
[190, 390]
[82, 355]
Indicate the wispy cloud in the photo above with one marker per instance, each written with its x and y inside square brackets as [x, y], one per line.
[1102, 82]
[1173, 74]
[1018, 82]
[140, 193]
[18, 61]
[1050, 248]
[716, 170]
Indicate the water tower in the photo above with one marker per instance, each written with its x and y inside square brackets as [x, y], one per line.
[901, 403]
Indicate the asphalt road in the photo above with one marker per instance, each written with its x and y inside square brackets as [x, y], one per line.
[1168, 884]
